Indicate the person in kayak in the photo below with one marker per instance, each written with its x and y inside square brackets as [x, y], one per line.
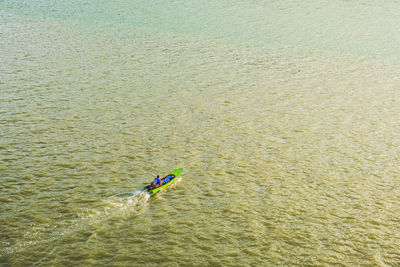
[154, 184]
[157, 181]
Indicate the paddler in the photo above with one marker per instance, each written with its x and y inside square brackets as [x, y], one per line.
[157, 181]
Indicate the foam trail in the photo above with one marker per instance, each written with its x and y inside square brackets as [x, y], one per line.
[125, 206]
[121, 206]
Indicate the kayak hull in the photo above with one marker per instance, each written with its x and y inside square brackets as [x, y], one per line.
[171, 181]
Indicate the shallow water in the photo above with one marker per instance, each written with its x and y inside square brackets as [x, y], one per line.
[284, 117]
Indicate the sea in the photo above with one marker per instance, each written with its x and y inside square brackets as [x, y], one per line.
[284, 115]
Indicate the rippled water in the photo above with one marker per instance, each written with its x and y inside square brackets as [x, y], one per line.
[284, 116]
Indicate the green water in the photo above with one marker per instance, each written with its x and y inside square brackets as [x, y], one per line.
[284, 117]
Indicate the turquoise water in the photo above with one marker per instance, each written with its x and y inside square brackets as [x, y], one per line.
[366, 28]
[283, 115]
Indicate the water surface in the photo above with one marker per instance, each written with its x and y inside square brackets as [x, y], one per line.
[284, 117]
